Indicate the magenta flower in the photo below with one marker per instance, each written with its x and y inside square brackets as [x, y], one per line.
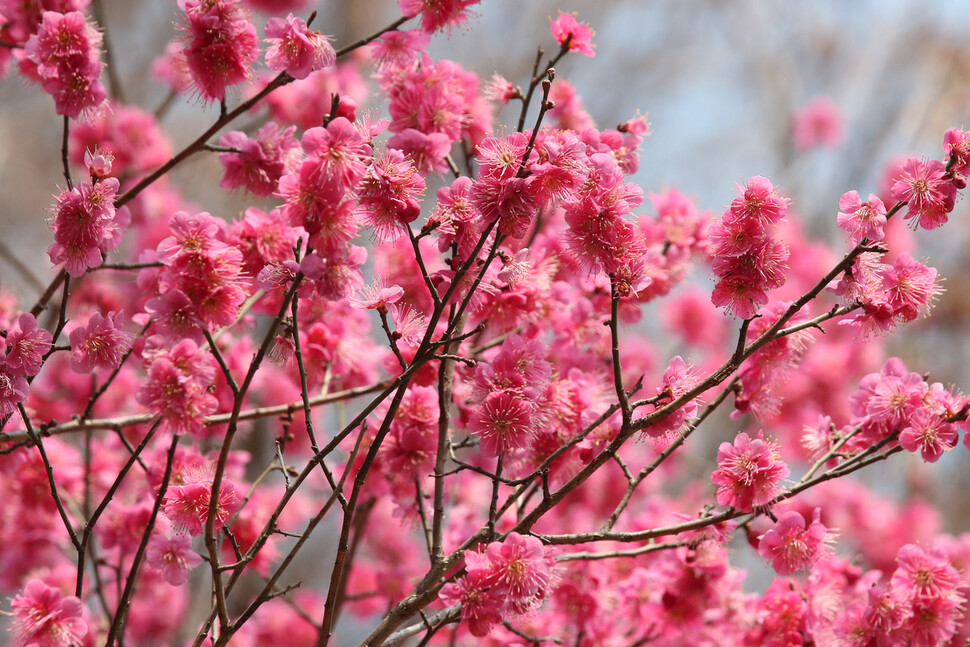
[27, 343]
[102, 343]
[295, 49]
[791, 547]
[44, 617]
[748, 473]
[928, 194]
[503, 422]
[13, 388]
[862, 219]
[187, 503]
[929, 434]
[580, 34]
[219, 45]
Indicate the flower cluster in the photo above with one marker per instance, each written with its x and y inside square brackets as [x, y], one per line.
[86, 224]
[177, 386]
[218, 47]
[295, 49]
[505, 395]
[790, 546]
[747, 260]
[187, 501]
[748, 472]
[896, 400]
[22, 354]
[66, 50]
[510, 578]
[45, 617]
[257, 163]
[101, 344]
[201, 284]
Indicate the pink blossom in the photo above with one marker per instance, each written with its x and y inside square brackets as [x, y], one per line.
[399, 48]
[956, 144]
[27, 343]
[818, 123]
[759, 200]
[481, 602]
[177, 387]
[260, 162]
[187, 501]
[44, 617]
[521, 567]
[390, 194]
[219, 45]
[377, 297]
[928, 194]
[924, 572]
[102, 343]
[437, 14]
[910, 287]
[503, 421]
[929, 434]
[791, 547]
[173, 556]
[748, 473]
[862, 219]
[579, 34]
[295, 49]
[13, 388]
[66, 51]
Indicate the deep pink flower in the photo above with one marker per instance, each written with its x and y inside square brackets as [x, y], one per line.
[791, 547]
[219, 45]
[503, 421]
[580, 34]
[759, 199]
[928, 194]
[748, 473]
[956, 144]
[261, 161]
[862, 219]
[910, 286]
[924, 572]
[929, 434]
[481, 602]
[887, 609]
[13, 388]
[437, 14]
[934, 619]
[44, 617]
[27, 343]
[66, 51]
[390, 195]
[177, 387]
[521, 567]
[187, 501]
[677, 379]
[102, 343]
[295, 49]
[61, 37]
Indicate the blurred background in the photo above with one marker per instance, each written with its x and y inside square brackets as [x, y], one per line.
[721, 82]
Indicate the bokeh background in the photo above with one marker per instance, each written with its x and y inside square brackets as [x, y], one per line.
[720, 80]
